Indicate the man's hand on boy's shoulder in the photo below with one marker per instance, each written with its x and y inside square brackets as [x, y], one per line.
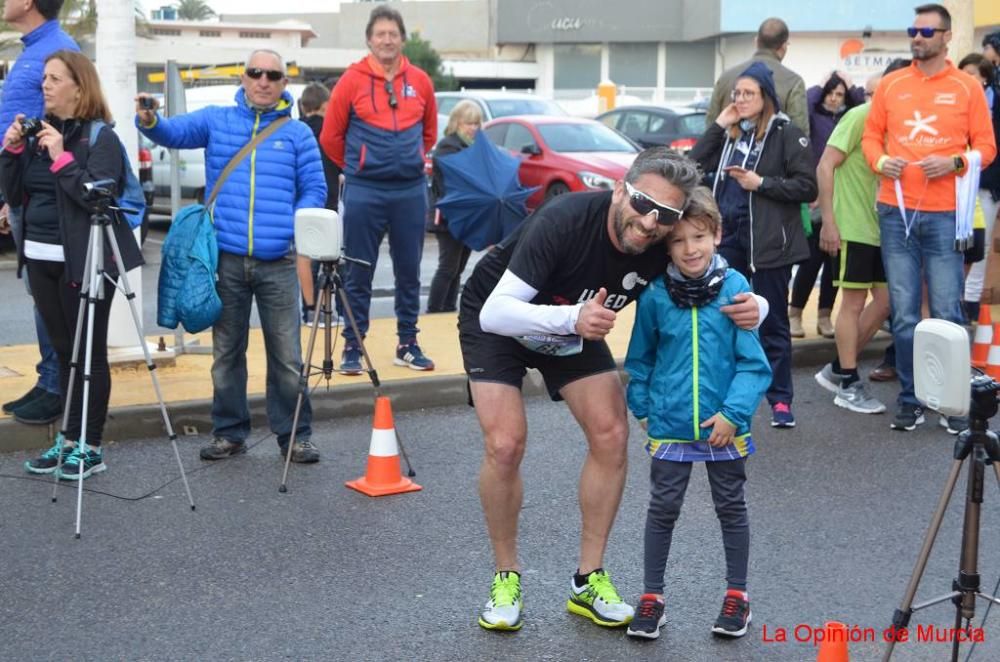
[744, 311]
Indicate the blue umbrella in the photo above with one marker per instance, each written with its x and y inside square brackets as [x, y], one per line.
[483, 201]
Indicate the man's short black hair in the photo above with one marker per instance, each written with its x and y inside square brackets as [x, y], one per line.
[936, 9]
[772, 34]
[383, 13]
[979, 61]
[897, 64]
[49, 8]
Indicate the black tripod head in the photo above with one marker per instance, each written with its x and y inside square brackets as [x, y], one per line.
[984, 398]
[101, 195]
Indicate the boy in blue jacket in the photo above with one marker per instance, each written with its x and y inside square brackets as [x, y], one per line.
[696, 381]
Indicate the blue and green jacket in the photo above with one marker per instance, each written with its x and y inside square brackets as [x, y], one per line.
[255, 210]
[686, 364]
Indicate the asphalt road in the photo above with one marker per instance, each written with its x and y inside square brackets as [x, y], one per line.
[17, 324]
[839, 507]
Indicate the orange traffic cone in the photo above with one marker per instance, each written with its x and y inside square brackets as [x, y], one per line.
[383, 475]
[993, 358]
[833, 647]
[983, 338]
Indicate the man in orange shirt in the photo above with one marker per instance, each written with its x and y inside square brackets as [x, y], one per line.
[923, 119]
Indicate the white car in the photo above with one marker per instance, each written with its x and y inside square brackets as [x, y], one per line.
[192, 161]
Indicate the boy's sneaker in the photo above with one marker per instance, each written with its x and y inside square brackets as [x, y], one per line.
[220, 449]
[92, 461]
[47, 462]
[954, 424]
[412, 356]
[856, 398]
[828, 379]
[908, 417]
[350, 360]
[735, 615]
[649, 618]
[599, 601]
[781, 415]
[503, 611]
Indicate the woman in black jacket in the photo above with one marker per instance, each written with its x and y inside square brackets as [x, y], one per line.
[761, 171]
[44, 173]
[463, 123]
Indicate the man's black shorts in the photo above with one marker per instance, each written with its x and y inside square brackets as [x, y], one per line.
[492, 358]
[859, 266]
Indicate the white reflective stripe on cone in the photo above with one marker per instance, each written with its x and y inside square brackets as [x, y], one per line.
[383, 443]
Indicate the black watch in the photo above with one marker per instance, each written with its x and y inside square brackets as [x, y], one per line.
[959, 164]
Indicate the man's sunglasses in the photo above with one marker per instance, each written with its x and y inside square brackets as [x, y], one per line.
[272, 75]
[926, 33]
[393, 102]
[642, 203]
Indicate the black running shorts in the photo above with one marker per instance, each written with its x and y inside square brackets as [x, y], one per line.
[859, 266]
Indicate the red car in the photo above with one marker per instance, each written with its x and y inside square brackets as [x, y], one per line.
[563, 154]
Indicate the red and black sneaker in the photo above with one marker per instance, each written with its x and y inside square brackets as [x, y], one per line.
[735, 615]
[648, 617]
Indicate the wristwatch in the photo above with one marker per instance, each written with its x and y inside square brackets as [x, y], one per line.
[959, 164]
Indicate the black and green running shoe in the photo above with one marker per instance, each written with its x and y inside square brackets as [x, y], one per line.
[47, 462]
[503, 611]
[92, 461]
[599, 601]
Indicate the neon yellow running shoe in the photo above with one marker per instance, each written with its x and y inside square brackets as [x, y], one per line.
[599, 601]
[503, 611]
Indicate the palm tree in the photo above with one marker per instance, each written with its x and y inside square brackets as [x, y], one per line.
[79, 19]
[194, 10]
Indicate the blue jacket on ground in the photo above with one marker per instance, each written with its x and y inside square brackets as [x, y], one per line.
[254, 212]
[186, 290]
[22, 91]
[686, 364]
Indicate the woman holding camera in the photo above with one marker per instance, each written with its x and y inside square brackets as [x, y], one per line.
[44, 167]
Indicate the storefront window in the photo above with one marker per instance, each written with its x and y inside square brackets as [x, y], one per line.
[577, 66]
[690, 65]
[633, 64]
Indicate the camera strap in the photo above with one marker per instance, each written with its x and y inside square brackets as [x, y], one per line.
[242, 154]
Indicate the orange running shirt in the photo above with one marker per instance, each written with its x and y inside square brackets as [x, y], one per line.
[914, 116]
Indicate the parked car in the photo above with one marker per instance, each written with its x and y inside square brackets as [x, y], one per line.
[563, 154]
[677, 127]
[497, 103]
[192, 161]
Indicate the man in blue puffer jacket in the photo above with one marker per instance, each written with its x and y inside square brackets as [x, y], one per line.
[254, 223]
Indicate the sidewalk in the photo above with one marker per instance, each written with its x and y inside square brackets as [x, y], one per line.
[186, 382]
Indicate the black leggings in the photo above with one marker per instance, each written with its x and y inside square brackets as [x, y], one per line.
[452, 258]
[805, 277]
[58, 303]
[668, 483]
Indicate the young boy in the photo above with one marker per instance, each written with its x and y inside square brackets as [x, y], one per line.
[696, 381]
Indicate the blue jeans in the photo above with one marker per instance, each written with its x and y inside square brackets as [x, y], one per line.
[927, 258]
[275, 286]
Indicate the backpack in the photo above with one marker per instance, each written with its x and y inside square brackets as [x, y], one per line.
[186, 290]
[131, 195]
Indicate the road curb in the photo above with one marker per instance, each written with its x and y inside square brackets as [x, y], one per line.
[193, 417]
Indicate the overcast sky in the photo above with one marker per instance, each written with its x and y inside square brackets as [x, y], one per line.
[260, 6]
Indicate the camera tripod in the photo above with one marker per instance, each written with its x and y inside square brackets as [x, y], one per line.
[329, 283]
[980, 446]
[90, 291]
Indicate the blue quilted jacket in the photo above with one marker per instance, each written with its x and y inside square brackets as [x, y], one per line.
[254, 212]
[186, 291]
[22, 91]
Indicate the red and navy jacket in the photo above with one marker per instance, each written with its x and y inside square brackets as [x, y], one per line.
[374, 143]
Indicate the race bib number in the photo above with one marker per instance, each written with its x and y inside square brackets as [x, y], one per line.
[552, 345]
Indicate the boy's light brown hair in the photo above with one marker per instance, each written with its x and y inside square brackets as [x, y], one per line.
[702, 211]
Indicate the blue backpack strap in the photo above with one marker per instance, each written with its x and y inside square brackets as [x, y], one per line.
[131, 194]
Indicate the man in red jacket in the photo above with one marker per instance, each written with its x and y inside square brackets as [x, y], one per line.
[381, 120]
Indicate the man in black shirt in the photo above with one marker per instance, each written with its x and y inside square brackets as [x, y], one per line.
[545, 298]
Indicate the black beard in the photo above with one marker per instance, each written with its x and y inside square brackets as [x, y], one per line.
[619, 225]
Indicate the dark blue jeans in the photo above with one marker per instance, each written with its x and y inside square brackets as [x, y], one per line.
[370, 214]
[275, 287]
[927, 254]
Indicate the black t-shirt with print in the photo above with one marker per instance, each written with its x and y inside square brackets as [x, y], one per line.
[563, 250]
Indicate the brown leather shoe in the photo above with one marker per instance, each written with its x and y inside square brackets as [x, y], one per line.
[883, 373]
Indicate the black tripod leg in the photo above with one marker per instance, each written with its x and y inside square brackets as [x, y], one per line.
[126, 288]
[901, 618]
[303, 390]
[349, 312]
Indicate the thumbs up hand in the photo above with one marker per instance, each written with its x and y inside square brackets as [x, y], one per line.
[595, 321]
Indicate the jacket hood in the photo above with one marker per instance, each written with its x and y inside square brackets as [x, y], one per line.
[369, 66]
[765, 78]
[283, 108]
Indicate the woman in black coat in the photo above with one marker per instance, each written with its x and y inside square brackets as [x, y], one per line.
[44, 174]
[463, 123]
[761, 170]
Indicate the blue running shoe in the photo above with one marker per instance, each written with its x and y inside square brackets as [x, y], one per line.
[92, 461]
[412, 356]
[47, 462]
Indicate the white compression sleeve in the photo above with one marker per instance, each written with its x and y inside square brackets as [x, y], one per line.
[508, 311]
